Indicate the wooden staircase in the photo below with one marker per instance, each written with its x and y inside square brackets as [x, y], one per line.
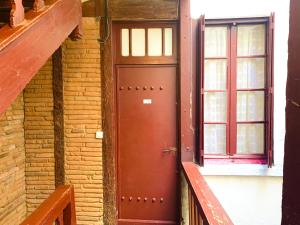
[30, 32]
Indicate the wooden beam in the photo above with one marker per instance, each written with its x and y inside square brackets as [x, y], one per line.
[25, 49]
[93, 8]
[144, 10]
[58, 117]
[187, 132]
[109, 127]
[76, 33]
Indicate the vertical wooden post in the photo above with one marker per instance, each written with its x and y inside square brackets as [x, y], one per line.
[200, 85]
[38, 5]
[58, 117]
[17, 13]
[187, 136]
[109, 126]
[291, 175]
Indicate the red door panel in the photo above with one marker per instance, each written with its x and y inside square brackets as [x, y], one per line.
[147, 141]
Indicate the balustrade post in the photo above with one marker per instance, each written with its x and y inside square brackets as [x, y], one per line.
[16, 13]
[38, 5]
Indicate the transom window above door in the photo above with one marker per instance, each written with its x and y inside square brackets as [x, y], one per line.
[158, 40]
[143, 43]
[236, 96]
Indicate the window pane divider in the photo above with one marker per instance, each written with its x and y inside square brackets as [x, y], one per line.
[215, 90]
[250, 122]
[232, 109]
[251, 56]
[214, 58]
[130, 41]
[252, 89]
[222, 123]
[163, 41]
[146, 42]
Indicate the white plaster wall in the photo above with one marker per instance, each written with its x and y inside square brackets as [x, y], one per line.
[248, 199]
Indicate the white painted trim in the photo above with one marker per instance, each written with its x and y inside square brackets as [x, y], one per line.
[241, 170]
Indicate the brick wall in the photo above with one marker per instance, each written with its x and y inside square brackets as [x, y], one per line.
[12, 165]
[83, 152]
[82, 99]
[39, 134]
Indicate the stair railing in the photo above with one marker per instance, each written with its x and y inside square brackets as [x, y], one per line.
[201, 205]
[58, 208]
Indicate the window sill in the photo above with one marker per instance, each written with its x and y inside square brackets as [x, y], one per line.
[210, 169]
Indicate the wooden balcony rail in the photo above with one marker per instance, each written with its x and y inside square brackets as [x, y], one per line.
[204, 208]
[33, 41]
[59, 208]
[12, 12]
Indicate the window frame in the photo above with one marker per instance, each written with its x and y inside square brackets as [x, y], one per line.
[231, 128]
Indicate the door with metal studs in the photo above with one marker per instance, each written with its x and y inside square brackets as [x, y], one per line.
[147, 176]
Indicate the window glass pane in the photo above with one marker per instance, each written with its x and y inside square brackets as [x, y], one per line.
[215, 41]
[250, 106]
[138, 42]
[125, 42]
[168, 41]
[155, 42]
[250, 139]
[251, 73]
[251, 40]
[215, 74]
[214, 139]
[215, 106]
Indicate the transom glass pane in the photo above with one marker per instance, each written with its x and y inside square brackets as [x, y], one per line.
[138, 42]
[215, 72]
[251, 73]
[251, 40]
[215, 107]
[215, 41]
[125, 42]
[250, 106]
[154, 41]
[250, 139]
[168, 41]
[214, 139]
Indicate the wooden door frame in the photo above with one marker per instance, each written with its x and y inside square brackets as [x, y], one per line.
[117, 63]
[187, 94]
[186, 132]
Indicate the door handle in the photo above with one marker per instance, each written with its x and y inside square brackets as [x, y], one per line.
[169, 149]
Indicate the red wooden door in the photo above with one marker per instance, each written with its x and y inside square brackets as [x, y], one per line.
[147, 145]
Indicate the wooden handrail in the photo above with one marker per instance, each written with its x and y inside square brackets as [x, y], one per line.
[34, 41]
[204, 207]
[13, 11]
[59, 207]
